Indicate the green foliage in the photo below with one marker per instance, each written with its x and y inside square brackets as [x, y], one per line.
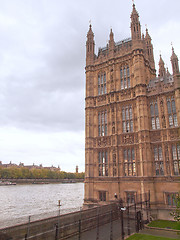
[176, 212]
[34, 173]
[165, 224]
[138, 236]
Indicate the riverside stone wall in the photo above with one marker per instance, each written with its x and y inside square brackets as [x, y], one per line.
[41, 181]
[69, 224]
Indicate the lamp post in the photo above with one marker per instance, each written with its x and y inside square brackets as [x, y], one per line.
[121, 209]
[59, 205]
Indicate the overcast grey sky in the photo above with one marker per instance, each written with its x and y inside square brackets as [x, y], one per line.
[42, 77]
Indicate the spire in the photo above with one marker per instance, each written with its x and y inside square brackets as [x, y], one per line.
[174, 62]
[162, 70]
[147, 34]
[135, 24]
[90, 46]
[111, 35]
[111, 40]
[90, 33]
[134, 12]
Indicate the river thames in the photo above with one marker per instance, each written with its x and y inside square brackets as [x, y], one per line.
[21, 203]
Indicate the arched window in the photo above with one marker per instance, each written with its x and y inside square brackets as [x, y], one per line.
[127, 119]
[102, 123]
[154, 115]
[103, 163]
[158, 158]
[172, 116]
[129, 162]
[125, 77]
[176, 158]
[102, 84]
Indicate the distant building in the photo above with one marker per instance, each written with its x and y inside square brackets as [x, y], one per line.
[76, 169]
[132, 122]
[52, 168]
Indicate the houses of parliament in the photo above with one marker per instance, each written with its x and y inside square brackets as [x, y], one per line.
[132, 134]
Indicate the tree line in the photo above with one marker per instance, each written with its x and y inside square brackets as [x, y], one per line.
[26, 173]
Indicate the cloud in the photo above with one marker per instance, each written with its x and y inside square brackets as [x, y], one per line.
[42, 60]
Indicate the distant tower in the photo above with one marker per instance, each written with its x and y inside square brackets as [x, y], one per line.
[76, 169]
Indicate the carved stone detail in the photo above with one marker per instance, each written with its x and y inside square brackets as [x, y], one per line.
[155, 136]
[174, 134]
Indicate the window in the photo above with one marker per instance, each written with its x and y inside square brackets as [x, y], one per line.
[102, 196]
[158, 158]
[129, 162]
[172, 112]
[102, 123]
[127, 119]
[154, 115]
[130, 197]
[102, 84]
[167, 159]
[114, 165]
[170, 199]
[125, 77]
[103, 163]
[176, 158]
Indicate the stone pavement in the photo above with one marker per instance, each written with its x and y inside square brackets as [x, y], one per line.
[106, 232]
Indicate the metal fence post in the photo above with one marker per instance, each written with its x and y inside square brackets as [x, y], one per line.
[79, 229]
[147, 212]
[28, 231]
[129, 231]
[111, 225]
[97, 227]
[122, 219]
[56, 232]
[135, 213]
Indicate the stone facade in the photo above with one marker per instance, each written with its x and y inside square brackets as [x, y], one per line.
[132, 143]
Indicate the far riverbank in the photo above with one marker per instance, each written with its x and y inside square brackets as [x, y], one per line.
[42, 181]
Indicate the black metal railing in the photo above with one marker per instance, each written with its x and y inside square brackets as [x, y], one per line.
[112, 221]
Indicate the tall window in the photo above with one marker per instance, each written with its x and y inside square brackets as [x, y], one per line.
[102, 84]
[176, 158]
[127, 119]
[129, 162]
[125, 77]
[130, 197]
[102, 196]
[102, 123]
[172, 112]
[114, 165]
[154, 115]
[170, 199]
[103, 163]
[158, 158]
[167, 159]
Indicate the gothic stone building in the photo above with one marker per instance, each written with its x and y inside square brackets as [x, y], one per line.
[132, 122]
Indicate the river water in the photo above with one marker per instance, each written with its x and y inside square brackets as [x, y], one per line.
[19, 203]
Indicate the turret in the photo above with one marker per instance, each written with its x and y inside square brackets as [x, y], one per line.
[162, 70]
[90, 46]
[174, 62]
[111, 43]
[111, 40]
[135, 25]
[149, 49]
